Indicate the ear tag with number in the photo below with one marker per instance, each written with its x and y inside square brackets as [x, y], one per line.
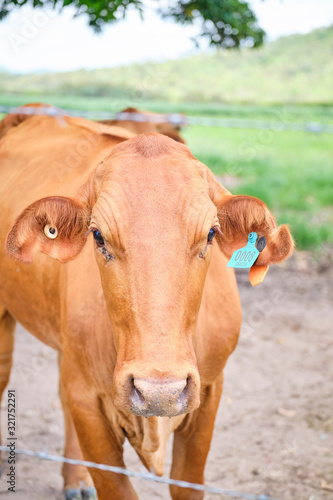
[246, 256]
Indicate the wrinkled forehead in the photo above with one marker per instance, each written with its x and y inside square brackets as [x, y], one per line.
[166, 188]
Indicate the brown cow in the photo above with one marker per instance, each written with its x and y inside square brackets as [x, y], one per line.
[136, 127]
[13, 120]
[146, 127]
[137, 297]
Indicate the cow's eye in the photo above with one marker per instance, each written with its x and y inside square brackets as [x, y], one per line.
[98, 238]
[211, 234]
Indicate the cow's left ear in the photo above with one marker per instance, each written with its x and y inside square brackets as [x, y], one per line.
[56, 226]
[240, 215]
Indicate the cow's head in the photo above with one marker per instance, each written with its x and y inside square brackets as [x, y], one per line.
[154, 212]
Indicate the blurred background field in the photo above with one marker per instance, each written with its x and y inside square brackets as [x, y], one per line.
[286, 81]
[293, 69]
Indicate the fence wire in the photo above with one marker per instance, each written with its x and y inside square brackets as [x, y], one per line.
[146, 476]
[175, 119]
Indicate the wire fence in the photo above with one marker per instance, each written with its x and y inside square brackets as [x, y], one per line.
[139, 475]
[175, 119]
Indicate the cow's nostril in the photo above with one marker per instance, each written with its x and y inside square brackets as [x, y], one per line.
[137, 395]
[183, 396]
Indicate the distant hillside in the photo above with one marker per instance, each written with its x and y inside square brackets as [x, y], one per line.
[297, 68]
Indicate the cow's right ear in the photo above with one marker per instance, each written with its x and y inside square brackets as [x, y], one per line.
[56, 226]
[241, 215]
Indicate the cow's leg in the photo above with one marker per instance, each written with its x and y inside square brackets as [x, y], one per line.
[7, 328]
[192, 442]
[99, 442]
[78, 484]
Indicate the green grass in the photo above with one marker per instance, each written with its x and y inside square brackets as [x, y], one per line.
[291, 171]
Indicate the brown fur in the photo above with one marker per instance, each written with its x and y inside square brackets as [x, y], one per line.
[13, 120]
[153, 148]
[147, 127]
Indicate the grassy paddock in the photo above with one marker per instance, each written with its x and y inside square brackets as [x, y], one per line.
[291, 171]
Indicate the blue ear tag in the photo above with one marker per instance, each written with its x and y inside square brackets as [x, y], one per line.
[245, 257]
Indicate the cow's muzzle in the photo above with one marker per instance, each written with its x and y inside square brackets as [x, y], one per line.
[162, 395]
[160, 398]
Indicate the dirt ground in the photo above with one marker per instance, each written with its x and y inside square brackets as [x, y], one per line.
[274, 429]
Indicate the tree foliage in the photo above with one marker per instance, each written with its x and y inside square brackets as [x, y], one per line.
[224, 22]
[228, 23]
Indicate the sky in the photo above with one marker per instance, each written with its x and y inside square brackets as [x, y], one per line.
[42, 40]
